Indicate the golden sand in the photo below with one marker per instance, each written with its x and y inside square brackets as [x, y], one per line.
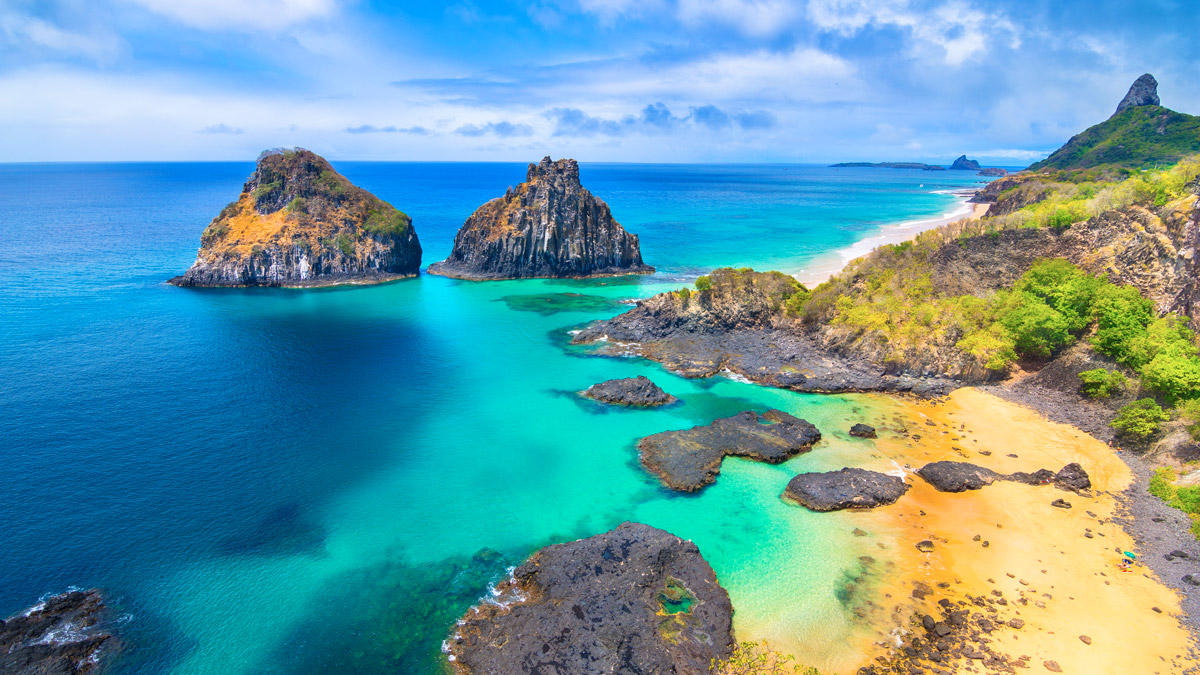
[1073, 584]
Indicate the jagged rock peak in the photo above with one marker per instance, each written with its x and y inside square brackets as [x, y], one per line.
[1143, 91]
[568, 169]
[549, 226]
[964, 164]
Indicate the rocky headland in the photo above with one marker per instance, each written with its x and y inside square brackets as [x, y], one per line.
[849, 488]
[548, 226]
[298, 222]
[632, 600]
[62, 635]
[637, 392]
[690, 459]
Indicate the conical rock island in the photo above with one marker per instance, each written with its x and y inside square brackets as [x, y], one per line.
[548, 226]
[300, 223]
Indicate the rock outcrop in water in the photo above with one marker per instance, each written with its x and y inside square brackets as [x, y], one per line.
[690, 459]
[845, 489]
[631, 391]
[300, 223]
[62, 635]
[964, 164]
[548, 226]
[633, 600]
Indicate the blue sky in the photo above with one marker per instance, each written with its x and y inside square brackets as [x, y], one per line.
[599, 80]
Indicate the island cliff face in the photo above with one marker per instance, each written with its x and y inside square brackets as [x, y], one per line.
[300, 223]
[548, 226]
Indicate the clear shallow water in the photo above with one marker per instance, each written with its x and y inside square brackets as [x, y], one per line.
[322, 481]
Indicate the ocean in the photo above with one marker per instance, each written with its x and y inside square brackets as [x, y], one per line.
[295, 481]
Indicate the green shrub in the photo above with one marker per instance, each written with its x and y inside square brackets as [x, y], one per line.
[1140, 419]
[297, 205]
[1101, 383]
[1037, 329]
[344, 244]
[1189, 412]
[992, 346]
[1122, 315]
[385, 220]
[1174, 374]
[1186, 499]
[703, 283]
[685, 294]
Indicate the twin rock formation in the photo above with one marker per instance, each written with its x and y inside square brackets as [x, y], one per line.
[298, 222]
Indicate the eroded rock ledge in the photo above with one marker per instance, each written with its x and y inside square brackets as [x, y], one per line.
[689, 459]
[548, 226]
[632, 600]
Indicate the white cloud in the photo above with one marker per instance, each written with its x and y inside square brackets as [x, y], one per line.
[752, 17]
[31, 33]
[252, 15]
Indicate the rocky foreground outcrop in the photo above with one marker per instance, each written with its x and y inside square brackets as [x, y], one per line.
[948, 476]
[633, 600]
[548, 226]
[637, 391]
[300, 223]
[63, 635]
[849, 488]
[690, 459]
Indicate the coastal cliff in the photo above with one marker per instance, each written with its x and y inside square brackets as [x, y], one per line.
[298, 222]
[548, 226]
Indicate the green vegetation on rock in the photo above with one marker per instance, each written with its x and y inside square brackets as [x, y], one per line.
[1186, 499]
[1138, 137]
[1102, 383]
[1140, 420]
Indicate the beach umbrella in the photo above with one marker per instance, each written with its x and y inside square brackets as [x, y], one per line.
[1131, 555]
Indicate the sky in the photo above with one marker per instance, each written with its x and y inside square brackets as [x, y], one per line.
[599, 80]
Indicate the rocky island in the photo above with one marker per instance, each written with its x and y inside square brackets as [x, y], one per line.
[849, 488]
[549, 226]
[62, 635]
[632, 600]
[300, 223]
[690, 459]
[630, 391]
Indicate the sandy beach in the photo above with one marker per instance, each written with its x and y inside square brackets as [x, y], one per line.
[825, 266]
[1061, 599]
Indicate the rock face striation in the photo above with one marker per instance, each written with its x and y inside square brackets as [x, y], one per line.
[633, 600]
[300, 223]
[548, 226]
[690, 459]
[1143, 91]
[964, 164]
[845, 489]
[632, 391]
[58, 636]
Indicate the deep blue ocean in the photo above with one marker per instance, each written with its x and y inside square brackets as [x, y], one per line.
[290, 481]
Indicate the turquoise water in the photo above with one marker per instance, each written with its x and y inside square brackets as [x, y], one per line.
[323, 480]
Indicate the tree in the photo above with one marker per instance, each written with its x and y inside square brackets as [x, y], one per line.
[1140, 419]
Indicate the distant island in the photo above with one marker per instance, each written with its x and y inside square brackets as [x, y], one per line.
[960, 164]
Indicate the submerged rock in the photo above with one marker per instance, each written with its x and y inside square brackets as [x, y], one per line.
[849, 488]
[633, 600]
[300, 223]
[947, 476]
[862, 431]
[690, 459]
[632, 391]
[58, 636]
[548, 226]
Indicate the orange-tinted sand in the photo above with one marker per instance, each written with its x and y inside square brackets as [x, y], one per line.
[1034, 550]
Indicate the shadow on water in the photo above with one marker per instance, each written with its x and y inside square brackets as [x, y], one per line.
[553, 303]
[284, 531]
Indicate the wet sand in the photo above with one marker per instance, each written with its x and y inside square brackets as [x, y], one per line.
[1040, 555]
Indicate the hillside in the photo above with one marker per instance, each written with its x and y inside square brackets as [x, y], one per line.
[1141, 134]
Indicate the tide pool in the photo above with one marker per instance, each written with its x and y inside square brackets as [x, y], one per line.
[273, 480]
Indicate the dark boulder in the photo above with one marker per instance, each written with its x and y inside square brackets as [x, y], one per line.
[62, 635]
[957, 476]
[633, 600]
[690, 459]
[862, 431]
[845, 489]
[1072, 477]
[632, 391]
